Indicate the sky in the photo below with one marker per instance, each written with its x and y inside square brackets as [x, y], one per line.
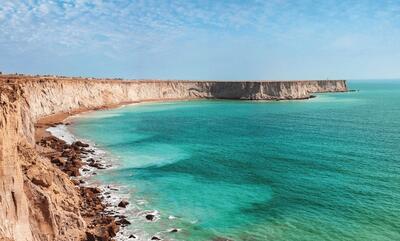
[200, 39]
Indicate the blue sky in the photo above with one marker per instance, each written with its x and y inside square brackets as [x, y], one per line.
[275, 39]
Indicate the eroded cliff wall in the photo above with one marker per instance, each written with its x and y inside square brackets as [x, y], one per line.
[51, 95]
[38, 201]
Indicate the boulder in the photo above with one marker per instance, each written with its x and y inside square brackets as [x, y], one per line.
[123, 204]
[80, 144]
[150, 217]
[123, 222]
[59, 161]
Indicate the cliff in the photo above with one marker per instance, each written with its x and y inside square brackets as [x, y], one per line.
[37, 200]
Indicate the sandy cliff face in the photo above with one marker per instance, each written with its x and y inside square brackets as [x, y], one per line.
[51, 95]
[37, 200]
[14, 216]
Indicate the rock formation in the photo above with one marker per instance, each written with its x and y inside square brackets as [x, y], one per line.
[38, 201]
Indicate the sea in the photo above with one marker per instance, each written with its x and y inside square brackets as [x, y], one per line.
[326, 168]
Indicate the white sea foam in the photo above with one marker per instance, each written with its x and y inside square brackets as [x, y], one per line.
[112, 194]
[99, 115]
[153, 155]
[61, 132]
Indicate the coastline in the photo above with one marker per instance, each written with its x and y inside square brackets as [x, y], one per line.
[32, 159]
[101, 200]
[62, 117]
[108, 194]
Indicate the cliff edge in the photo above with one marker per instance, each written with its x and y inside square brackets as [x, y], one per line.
[38, 201]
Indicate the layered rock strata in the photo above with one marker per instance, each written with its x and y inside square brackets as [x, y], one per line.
[38, 201]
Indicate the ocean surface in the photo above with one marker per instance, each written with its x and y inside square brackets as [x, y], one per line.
[327, 168]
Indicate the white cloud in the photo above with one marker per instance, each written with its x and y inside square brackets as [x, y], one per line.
[136, 28]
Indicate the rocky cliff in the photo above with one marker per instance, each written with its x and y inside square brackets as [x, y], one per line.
[37, 200]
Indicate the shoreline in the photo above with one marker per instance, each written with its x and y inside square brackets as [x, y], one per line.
[108, 194]
[102, 191]
[62, 117]
[38, 166]
[99, 203]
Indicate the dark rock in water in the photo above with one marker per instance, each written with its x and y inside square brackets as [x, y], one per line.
[174, 230]
[150, 217]
[132, 236]
[93, 164]
[123, 222]
[90, 160]
[81, 181]
[80, 144]
[155, 238]
[96, 165]
[123, 204]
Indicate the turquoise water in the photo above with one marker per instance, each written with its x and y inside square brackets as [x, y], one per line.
[321, 169]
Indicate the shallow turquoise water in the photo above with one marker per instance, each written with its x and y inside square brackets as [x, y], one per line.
[321, 169]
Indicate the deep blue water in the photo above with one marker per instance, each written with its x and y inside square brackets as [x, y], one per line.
[321, 169]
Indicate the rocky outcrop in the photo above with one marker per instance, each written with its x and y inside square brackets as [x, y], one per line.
[38, 201]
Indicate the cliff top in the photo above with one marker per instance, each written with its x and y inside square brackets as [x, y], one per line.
[21, 77]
